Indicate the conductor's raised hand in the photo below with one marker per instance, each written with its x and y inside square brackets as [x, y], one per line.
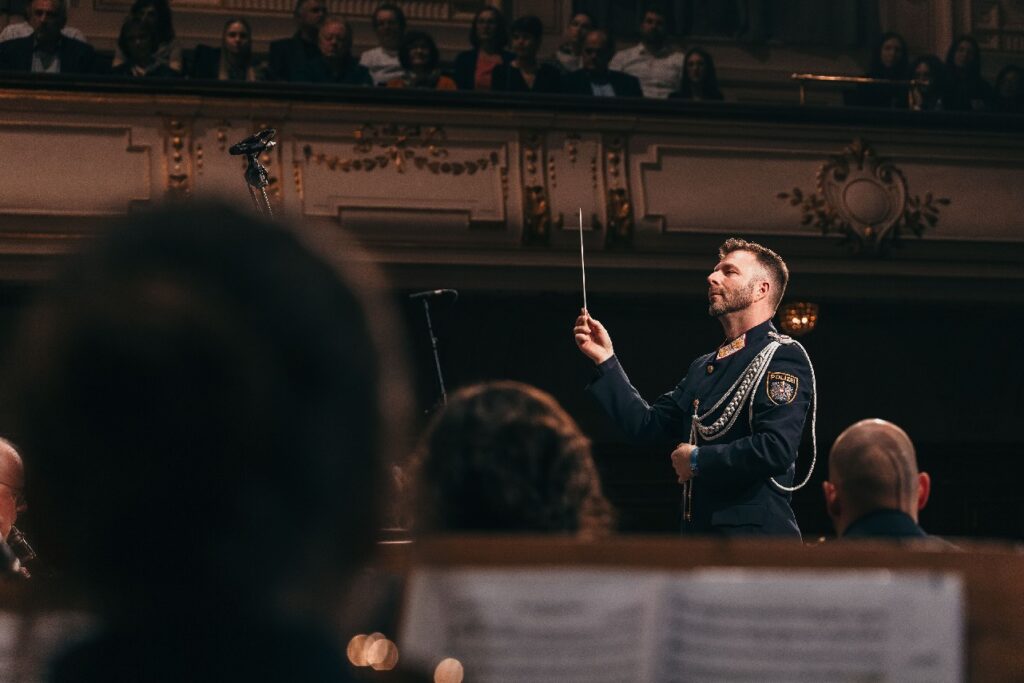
[592, 338]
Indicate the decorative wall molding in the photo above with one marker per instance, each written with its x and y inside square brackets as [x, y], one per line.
[864, 198]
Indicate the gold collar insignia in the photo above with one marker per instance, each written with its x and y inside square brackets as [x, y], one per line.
[732, 347]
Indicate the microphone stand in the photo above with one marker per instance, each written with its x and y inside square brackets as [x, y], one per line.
[256, 176]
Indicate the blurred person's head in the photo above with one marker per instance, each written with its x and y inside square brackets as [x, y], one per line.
[157, 15]
[335, 39]
[489, 31]
[700, 79]
[504, 456]
[873, 466]
[138, 42]
[1009, 82]
[12, 487]
[47, 18]
[389, 25]
[931, 73]
[654, 25]
[418, 53]
[203, 394]
[526, 33]
[309, 14]
[576, 29]
[597, 52]
[964, 57]
[890, 57]
[236, 39]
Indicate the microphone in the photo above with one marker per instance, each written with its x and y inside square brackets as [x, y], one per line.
[431, 293]
[255, 143]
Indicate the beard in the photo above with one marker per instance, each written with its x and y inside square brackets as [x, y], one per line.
[730, 302]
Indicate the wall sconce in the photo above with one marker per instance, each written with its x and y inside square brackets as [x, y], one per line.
[798, 318]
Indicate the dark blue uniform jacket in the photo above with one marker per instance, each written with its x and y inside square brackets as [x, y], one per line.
[732, 493]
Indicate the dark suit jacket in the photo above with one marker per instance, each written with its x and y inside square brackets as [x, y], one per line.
[732, 494]
[465, 67]
[76, 57]
[579, 83]
[885, 524]
[508, 78]
[287, 58]
[317, 71]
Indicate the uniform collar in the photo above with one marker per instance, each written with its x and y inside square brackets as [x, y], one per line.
[754, 335]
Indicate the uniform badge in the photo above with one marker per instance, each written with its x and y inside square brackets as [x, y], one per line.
[782, 387]
[732, 347]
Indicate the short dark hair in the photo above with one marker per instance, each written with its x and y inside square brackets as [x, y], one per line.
[219, 387]
[772, 263]
[530, 25]
[501, 36]
[504, 456]
[389, 7]
[164, 18]
[657, 7]
[410, 39]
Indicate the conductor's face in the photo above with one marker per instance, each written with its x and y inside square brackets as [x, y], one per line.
[732, 285]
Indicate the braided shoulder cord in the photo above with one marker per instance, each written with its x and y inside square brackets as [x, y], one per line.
[814, 429]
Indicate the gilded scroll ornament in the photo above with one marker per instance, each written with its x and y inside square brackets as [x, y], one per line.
[178, 159]
[866, 199]
[618, 207]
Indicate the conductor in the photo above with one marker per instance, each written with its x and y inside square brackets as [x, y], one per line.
[733, 424]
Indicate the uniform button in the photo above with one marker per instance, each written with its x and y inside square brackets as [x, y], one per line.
[711, 368]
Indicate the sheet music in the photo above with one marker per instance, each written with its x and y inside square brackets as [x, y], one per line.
[710, 625]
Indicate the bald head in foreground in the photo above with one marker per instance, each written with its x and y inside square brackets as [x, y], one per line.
[875, 488]
[12, 485]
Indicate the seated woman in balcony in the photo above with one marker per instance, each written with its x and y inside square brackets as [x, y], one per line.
[138, 43]
[505, 457]
[968, 90]
[488, 34]
[889, 61]
[419, 57]
[700, 80]
[525, 73]
[932, 92]
[1009, 97]
[233, 60]
[157, 15]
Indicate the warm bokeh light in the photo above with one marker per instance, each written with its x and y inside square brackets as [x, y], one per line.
[798, 318]
[448, 671]
[356, 650]
[382, 655]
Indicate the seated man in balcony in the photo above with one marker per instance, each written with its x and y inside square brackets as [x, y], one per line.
[654, 61]
[874, 487]
[47, 50]
[288, 56]
[23, 29]
[335, 63]
[595, 78]
[382, 61]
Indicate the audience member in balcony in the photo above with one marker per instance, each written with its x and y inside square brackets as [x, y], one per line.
[23, 29]
[525, 73]
[220, 549]
[47, 50]
[383, 61]
[489, 35]
[654, 61]
[157, 15]
[700, 80]
[233, 60]
[889, 61]
[930, 72]
[567, 56]
[968, 90]
[1009, 97]
[595, 78]
[287, 57]
[420, 59]
[874, 487]
[335, 64]
[138, 43]
[505, 457]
